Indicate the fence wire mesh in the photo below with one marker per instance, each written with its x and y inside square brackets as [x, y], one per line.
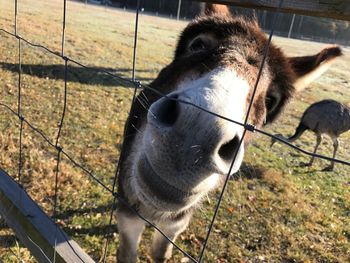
[137, 85]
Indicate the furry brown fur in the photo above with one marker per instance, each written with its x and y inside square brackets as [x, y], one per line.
[224, 42]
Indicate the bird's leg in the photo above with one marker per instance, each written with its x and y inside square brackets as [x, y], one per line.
[318, 141]
[335, 145]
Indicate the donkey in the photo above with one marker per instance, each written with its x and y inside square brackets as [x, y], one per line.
[174, 153]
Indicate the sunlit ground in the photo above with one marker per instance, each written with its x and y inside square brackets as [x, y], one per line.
[276, 211]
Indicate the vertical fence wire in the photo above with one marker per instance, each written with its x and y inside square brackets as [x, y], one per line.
[63, 26]
[64, 103]
[59, 151]
[60, 126]
[135, 42]
[56, 201]
[19, 105]
[19, 111]
[136, 86]
[247, 127]
[19, 108]
[19, 97]
[15, 22]
[19, 78]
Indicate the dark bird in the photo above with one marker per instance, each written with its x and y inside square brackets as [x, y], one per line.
[324, 117]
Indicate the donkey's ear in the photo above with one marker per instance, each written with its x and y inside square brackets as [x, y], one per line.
[309, 68]
[215, 9]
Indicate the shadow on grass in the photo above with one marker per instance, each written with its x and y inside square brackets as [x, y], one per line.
[7, 241]
[88, 76]
[100, 230]
[88, 210]
[104, 230]
[249, 171]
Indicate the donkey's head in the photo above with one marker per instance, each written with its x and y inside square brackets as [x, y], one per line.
[181, 152]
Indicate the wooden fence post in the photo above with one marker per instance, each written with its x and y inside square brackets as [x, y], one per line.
[34, 228]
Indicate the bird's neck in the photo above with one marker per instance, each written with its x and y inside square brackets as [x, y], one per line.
[347, 109]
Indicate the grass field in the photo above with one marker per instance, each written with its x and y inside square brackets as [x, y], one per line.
[274, 211]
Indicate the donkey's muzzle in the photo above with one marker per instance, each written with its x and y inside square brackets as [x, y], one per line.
[183, 124]
[165, 112]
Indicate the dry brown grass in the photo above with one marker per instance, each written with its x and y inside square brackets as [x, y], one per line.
[275, 211]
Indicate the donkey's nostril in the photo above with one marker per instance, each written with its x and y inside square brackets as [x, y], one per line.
[167, 111]
[228, 149]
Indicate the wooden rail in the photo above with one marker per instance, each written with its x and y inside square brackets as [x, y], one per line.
[34, 228]
[337, 9]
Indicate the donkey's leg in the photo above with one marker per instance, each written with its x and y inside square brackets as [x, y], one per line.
[130, 228]
[161, 247]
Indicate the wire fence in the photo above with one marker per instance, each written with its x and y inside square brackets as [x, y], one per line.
[137, 85]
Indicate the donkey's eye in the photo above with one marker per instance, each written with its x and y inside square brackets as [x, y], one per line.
[252, 61]
[270, 103]
[197, 45]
